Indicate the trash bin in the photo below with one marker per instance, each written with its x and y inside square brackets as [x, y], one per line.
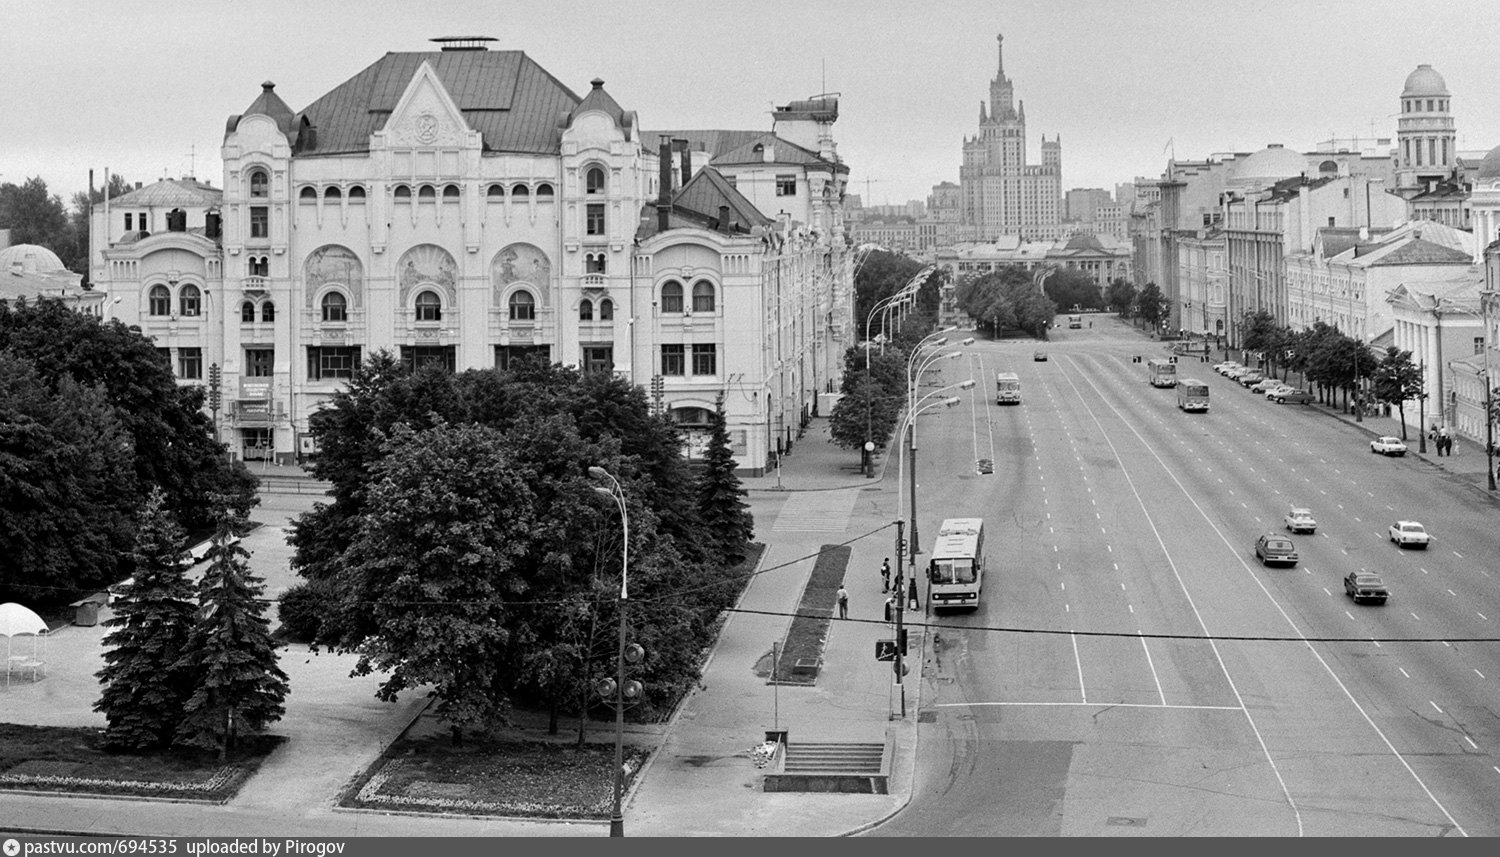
[86, 612]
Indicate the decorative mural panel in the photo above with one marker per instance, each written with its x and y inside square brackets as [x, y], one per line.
[521, 263]
[332, 264]
[427, 263]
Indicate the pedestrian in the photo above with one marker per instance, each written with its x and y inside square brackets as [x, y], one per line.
[1445, 442]
[911, 595]
[843, 602]
[890, 607]
[885, 575]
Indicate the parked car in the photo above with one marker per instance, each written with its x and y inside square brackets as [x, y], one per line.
[1270, 389]
[1365, 586]
[1266, 384]
[1293, 395]
[1388, 446]
[1405, 533]
[1250, 378]
[1234, 372]
[1224, 366]
[1274, 547]
[1040, 357]
[1300, 520]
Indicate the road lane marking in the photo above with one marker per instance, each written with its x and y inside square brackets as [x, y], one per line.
[1454, 594]
[1416, 617]
[1329, 594]
[1404, 672]
[1457, 554]
[1152, 665]
[1064, 585]
[1478, 673]
[1471, 742]
[1347, 613]
[1435, 705]
[1482, 616]
[1131, 606]
[1088, 704]
[1079, 661]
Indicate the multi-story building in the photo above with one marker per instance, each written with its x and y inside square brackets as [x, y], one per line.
[1203, 278]
[1426, 151]
[1103, 258]
[1001, 193]
[1441, 324]
[463, 208]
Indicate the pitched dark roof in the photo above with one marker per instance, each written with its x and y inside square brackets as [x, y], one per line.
[598, 99]
[174, 192]
[510, 100]
[268, 103]
[1417, 251]
[696, 204]
[714, 142]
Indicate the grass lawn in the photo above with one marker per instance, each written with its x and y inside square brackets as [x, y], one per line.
[68, 759]
[809, 630]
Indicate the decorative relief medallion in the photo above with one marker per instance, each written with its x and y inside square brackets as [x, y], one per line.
[425, 128]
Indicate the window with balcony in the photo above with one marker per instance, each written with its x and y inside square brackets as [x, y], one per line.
[705, 360]
[594, 219]
[259, 362]
[673, 360]
[593, 180]
[189, 301]
[335, 308]
[671, 297]
[247, 312]
[190, 364]
[703, 296]
[593, 263]
[260, 266]
[260, 221]
[429, 306]
[159, 301]
[328, 362]
[522, 306]
[260, 184]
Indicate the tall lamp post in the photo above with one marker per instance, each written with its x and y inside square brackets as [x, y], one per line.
[868, 449]
[619, 688]
[911, 391]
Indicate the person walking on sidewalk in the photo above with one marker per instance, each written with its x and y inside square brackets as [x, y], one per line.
[911, 595]
[843, 602]
[1445, 441]
[885, 575]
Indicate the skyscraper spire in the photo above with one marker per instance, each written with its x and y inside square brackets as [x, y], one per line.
[1000, 54]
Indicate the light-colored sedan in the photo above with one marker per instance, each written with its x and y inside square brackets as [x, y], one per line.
[1300, 520]
[1251, 378]
[1279, 386]
[1223, 368]
[1388, 446]
[1405, 533]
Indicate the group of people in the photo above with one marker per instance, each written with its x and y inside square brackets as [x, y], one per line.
[1441, 439]
[892, 593]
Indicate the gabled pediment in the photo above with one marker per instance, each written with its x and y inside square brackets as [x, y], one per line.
[425, 116]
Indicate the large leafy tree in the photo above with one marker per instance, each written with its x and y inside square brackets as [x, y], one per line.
[1070, 287]
[721, 499]
[67, 502]
[880, 274]
[1006, 299]
[864, 413]
[1399, 380]
[237, 682]
[1120, 296]
[146, 681]
[35, 216]
[1152, 305]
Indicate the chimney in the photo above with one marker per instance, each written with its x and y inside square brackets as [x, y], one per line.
[664, 191]
[724, 219]
[687, 159]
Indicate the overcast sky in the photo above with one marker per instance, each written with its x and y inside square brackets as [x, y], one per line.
[140, 86]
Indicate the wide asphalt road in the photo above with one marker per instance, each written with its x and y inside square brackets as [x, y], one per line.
[1134, 670]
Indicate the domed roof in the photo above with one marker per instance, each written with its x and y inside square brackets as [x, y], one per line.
[1489, 168]
[1271, 164]
[1424, 81]
[32, 258]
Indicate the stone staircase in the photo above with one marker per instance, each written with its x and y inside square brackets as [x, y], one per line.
[846, 767]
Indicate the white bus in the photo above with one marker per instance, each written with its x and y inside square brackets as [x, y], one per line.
[1007, 388]
[1192, 395]
[1163, 373]
[1075, 322]
[955, 572]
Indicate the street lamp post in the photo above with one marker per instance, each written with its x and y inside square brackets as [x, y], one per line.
[617, 493]
[1489, 411]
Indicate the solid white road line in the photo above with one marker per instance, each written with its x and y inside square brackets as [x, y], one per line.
[1088, 704]
[1152, 664]
[1081, 689]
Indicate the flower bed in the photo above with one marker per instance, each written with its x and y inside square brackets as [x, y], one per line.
[809, 630]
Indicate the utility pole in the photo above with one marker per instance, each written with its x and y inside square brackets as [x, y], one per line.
[900, 665]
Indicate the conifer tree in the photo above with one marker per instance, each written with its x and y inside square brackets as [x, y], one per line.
[238, 684]
[721, 499]
[145, 685]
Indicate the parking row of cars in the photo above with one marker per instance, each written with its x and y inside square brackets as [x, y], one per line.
[1274, 389]
[1360, 586]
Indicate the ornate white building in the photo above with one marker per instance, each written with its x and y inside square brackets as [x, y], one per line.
[463, 208]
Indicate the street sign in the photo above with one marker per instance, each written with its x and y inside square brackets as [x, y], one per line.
[885, 650]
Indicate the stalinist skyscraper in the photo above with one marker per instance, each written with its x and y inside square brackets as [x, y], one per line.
[1001, 193]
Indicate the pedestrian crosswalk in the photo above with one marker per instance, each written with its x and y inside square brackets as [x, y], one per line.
[816, 512]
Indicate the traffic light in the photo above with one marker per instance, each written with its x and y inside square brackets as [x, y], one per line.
[901, 547]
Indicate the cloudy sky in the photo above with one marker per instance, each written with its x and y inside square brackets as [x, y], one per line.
[144, 88]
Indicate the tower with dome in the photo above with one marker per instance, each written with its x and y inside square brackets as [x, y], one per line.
[1425, 137]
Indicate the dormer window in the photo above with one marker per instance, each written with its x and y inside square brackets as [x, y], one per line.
[260, 184]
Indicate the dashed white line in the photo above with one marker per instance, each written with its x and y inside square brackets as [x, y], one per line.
[1435, 705]
[1457, 554]
[1347, 613]
[1471, 742]
[1454, 594]
[1478, 673]
[1152, 665]
[1330, 595]
[1404, 672]
[1131, 607]
[1416, 617]
[1482, 616]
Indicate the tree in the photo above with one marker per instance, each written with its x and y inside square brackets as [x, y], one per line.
[1006, 299]
[35, 216]
[1152, 305]
[146, 682]
[721, 499]
[236, 679]
[864, 413]
[1070, 287]
[1398, 380]
[1120, 296]
[880, 275]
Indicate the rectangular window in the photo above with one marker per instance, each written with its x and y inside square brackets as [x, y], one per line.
[417, 356]
[325, 362]
[673, 361]
[1479, 345]
[166, 355]
[733, 181]
[598, 358]
[142, 222]
[190, 363]
[1432, 152]
[259, 362]
[127, 221]
[510, 356]
[704, 362]
[594, 224]
[786, 184]
[260, 222]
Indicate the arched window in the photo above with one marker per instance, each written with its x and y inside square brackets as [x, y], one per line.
[522, 306]
[160, 301]
[259, 184]
[593, 180]
[357, 195]
[403, 193]
[335, 307]
[703, 296]
[671, 296]
[333, 194]
[495, 193]
[520, 191]
[427, 194]
[189, 301]
[247, 312]
[450, 193]
[586, 310]
[307, 194]
[544, 192]
[606, 310]
[429, 306]
[268, 312]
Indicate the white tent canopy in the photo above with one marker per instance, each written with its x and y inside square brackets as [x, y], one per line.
[16, 621]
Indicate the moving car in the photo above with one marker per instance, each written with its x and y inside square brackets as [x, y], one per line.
[1273, 547]
[1249, 378]
[1365, 586]
[1405, 533]
[1040, 357]
[1388, 446]
[1300, 520]
[1293, 395]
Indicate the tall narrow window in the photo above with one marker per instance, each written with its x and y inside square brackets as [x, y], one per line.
[259, 184]
[673, 362]
[522, 306]
[268, 312]
[190, 363]
[586, 310]
[703, 296]
[704, 360]
[606, 310]
[671, 297]
[260, 221]
[247, 312]
[128, 220]
[259, 362]
[190, 301]
[160, 301]
[594, 224]
[429, 307]
[335, 308]
[593, 180]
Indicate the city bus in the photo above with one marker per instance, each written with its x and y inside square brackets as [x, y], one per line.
[1192, 395]
[955, 572]
[1075, 322]
[1007, 388]
[1163, 373]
